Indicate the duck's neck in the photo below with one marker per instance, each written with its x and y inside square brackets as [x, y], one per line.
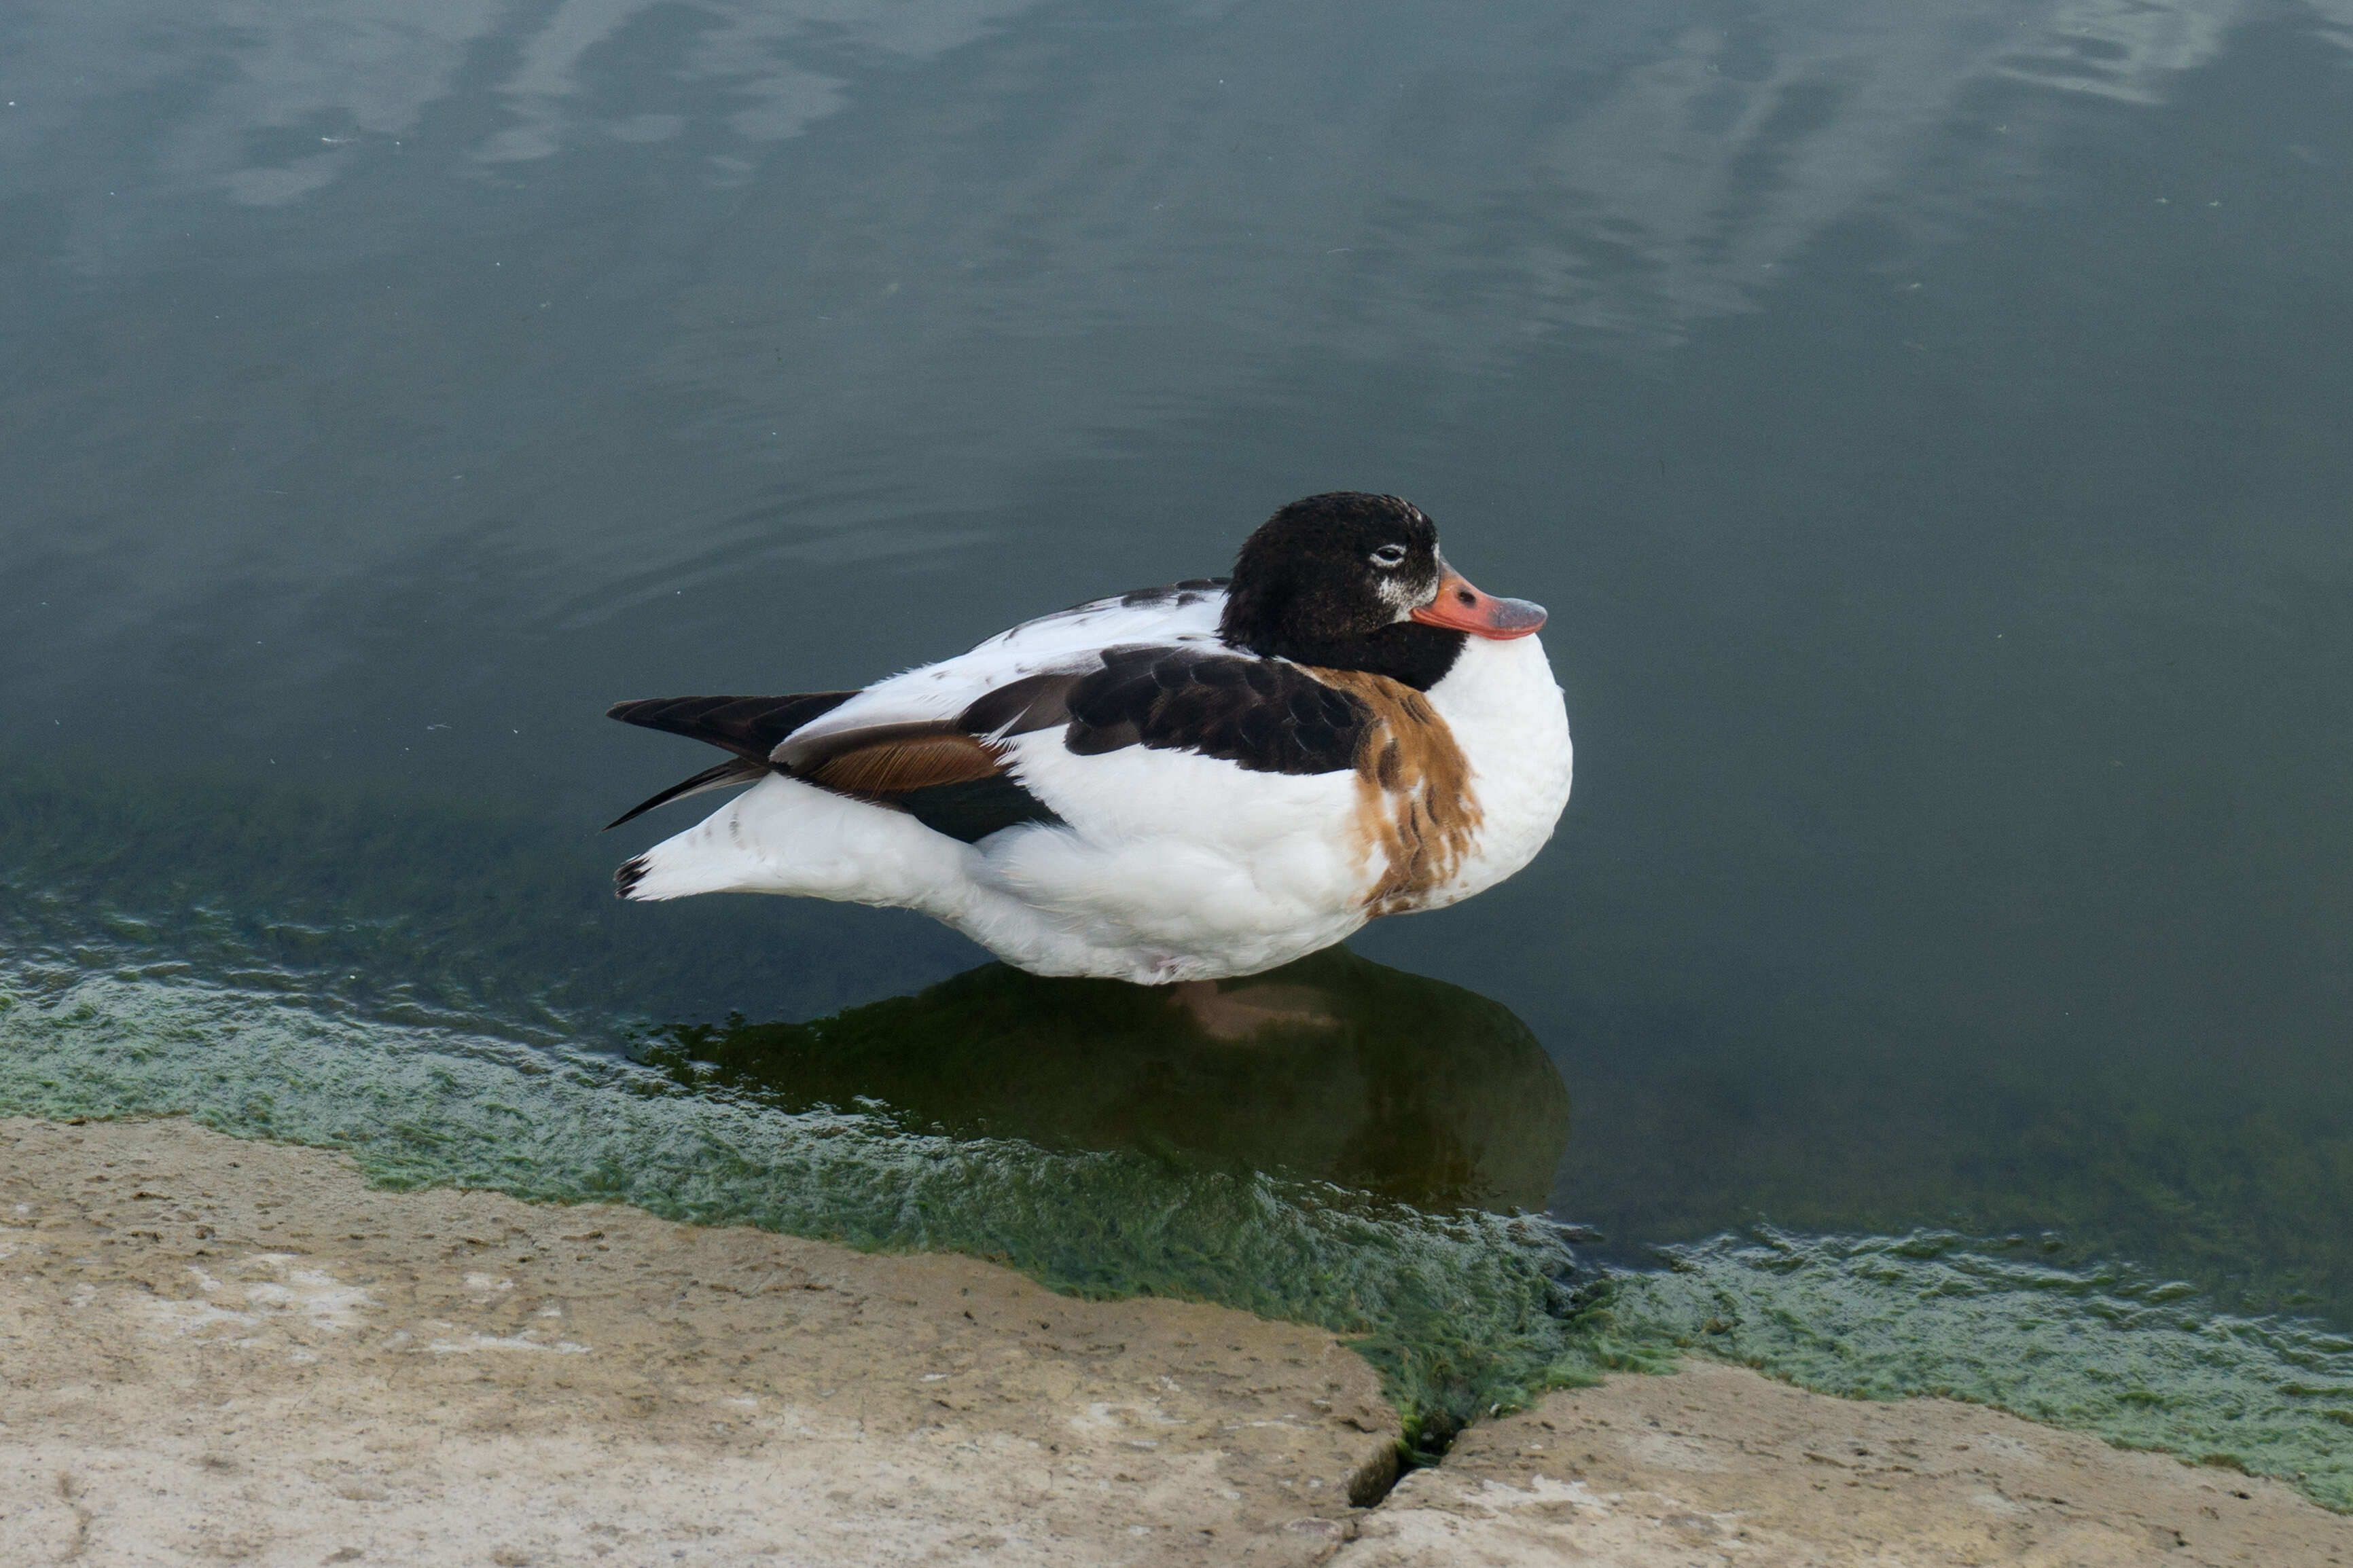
[1408, 652]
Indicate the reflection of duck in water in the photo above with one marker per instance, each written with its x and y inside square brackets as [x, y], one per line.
[1332, 1069]
[1183, 784]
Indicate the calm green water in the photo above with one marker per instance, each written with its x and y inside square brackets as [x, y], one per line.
[1925, 427]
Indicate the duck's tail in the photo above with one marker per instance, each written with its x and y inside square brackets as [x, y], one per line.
[748, 726]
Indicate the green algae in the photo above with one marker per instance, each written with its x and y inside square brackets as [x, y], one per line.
[1463, 1311]
[2139, 1359]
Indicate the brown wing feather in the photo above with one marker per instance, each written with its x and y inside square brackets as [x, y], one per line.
[898, 764]
[946, 775]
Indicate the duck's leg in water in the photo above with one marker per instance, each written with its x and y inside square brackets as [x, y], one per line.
[1248, 1006]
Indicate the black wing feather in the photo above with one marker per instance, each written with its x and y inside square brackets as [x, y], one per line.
[1261, 713]
[748, 726]
[733, 771]
[1018, 706]
[972, 809]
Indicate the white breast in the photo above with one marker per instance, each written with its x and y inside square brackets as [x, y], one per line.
[1510, 719]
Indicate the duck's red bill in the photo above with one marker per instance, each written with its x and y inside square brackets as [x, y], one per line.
[1463, 608]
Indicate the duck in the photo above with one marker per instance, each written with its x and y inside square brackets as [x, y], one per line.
[1177, 785]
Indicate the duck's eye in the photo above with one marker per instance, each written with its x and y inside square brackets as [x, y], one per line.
[1389, 555]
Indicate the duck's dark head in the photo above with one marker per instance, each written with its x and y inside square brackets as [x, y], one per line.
[1352, 581]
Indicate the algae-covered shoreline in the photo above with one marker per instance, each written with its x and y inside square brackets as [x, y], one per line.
[1461, 1313]
[217, 1348]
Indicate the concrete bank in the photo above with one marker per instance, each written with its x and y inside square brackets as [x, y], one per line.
[213, 1350]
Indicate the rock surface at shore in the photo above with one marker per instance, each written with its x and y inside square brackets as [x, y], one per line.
[1717, 1465]
[213, 1350]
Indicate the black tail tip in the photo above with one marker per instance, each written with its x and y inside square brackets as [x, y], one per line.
[626, 880]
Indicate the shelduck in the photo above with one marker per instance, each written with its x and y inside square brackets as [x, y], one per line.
[1179, 784]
